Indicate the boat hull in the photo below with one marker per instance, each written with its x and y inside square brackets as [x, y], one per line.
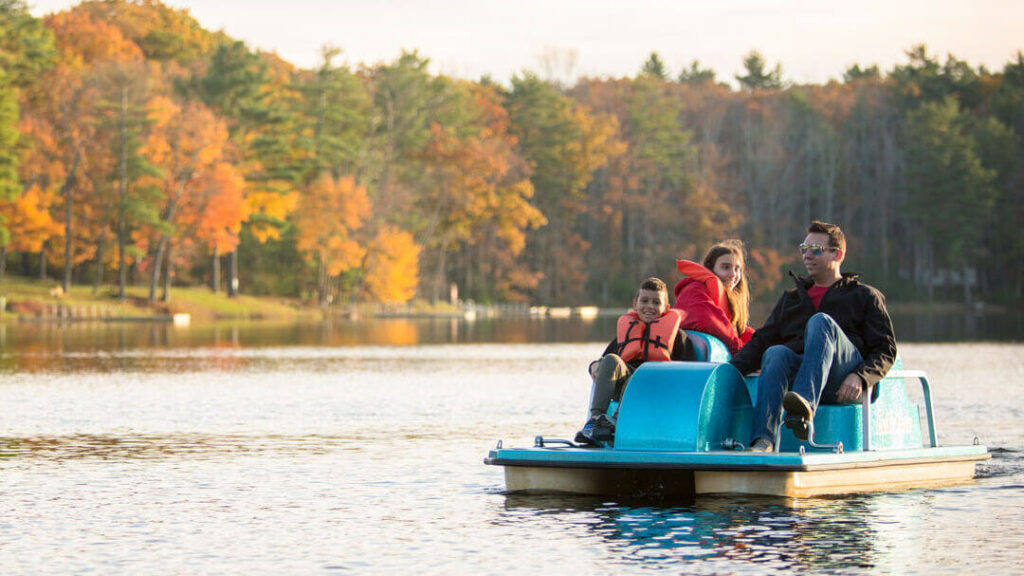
[612, 473]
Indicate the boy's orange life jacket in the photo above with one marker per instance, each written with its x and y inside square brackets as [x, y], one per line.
[647, 342]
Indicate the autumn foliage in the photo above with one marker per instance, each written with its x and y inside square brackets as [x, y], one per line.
[136, 145]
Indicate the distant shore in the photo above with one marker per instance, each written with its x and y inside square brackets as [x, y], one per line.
[33, 300]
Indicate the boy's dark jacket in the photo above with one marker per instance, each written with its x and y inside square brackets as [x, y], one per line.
[857, 308]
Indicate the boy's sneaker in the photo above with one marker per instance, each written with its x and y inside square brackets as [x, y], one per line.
[599, 431]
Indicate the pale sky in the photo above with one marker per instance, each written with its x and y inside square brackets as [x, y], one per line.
[814, 40]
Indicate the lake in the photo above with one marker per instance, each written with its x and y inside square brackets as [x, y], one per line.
[358, 448]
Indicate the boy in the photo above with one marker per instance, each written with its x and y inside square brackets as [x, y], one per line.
[647, 333]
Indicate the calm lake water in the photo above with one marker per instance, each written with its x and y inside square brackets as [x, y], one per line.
[358, 449]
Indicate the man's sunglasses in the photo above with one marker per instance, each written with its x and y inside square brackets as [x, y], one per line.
[815, 249]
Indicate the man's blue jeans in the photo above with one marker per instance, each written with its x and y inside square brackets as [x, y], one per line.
[828, 358]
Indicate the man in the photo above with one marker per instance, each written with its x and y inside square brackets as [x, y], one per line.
[828, 340]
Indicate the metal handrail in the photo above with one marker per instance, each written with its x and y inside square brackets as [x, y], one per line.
[865, 419]
[926, 388]
[542, 442]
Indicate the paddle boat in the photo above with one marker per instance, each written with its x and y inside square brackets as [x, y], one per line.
[681, 429]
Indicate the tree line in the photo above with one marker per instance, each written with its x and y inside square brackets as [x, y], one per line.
[137, 148]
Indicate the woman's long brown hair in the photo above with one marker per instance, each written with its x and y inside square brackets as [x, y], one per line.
[739, 297]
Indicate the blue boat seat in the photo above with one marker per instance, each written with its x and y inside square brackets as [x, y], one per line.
[895, 421]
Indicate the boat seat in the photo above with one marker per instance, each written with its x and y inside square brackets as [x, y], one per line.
[894, 421]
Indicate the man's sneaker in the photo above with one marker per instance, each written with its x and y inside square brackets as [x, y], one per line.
[599, 431]
[798, 414]
[762, 444]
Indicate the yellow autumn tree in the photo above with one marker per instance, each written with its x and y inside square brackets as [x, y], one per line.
[392, 267]
[329, 213]
[28, 217]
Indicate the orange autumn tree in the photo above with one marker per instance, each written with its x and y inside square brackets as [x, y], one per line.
[480, 202]
[63, 108]
[498, 243]
[162, 33]
[391, 267]
[214, 215]
[185, 141]
[329, 213]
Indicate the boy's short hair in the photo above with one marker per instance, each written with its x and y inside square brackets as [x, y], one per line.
[836, 238]
[654, 285]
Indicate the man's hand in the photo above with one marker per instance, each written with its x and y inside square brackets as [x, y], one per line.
[850, 390]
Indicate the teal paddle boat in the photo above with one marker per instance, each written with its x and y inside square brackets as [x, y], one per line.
[681, 429]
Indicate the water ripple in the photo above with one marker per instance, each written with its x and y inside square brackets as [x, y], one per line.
[150, 446]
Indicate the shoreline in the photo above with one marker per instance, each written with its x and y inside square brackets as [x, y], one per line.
[41, 301]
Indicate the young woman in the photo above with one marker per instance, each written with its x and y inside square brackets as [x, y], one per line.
[714, 298]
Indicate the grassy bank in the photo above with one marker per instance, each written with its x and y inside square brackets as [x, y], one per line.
[29, 298]
[33, 298]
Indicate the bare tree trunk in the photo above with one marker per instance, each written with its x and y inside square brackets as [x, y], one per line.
[42, 262]
[967, 277]
[99, 265]
[122, 270]
[233, 273]
[68, 191]
[321, 280]
[215, 271]
[439, 280]
[929, 261]
[164, 239]
[3, 264]
[154, 277]
[168, 274]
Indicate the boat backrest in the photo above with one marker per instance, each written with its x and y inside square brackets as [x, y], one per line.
[706, 347]
[688, 406]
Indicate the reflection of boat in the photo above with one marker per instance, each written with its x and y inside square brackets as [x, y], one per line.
[679, 430]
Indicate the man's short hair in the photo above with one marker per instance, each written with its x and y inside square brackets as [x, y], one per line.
[836, 238]
[655, 285]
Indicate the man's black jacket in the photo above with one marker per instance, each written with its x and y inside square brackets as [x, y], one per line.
[857, 308]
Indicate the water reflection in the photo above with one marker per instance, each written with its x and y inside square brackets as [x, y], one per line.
[771, 533]
[89, 336]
